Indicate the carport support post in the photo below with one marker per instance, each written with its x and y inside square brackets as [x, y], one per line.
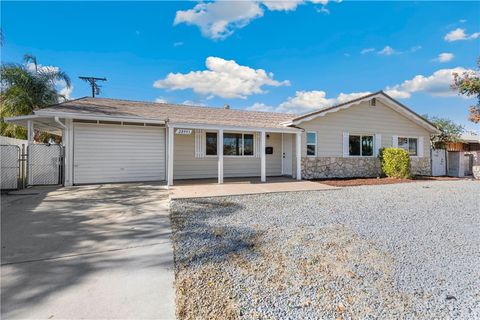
[298, 150]
[220, 155]
[30, 133]
[68, 156]
[170, 157]
[263, 174]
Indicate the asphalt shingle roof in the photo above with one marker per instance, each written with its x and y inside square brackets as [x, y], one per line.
[172, 112]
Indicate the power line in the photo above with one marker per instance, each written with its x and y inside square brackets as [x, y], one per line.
[93, 83]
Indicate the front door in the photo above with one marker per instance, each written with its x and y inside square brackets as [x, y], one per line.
[287, 154]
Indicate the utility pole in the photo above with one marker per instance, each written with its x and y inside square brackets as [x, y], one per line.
[95, 86]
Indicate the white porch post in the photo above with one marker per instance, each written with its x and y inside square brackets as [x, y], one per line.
[220, 155]
[263, 173]
[298, 149]
[68, 156]
[170, 156]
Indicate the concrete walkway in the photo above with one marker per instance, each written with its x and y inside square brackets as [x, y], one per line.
[87, 252]
[210, 188]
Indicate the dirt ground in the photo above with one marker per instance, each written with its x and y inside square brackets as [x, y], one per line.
[378, 181]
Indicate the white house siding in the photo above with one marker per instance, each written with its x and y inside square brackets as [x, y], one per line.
[358, 119]
[186, 166]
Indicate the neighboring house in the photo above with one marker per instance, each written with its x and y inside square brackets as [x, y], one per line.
[109, 140]
[469, 146]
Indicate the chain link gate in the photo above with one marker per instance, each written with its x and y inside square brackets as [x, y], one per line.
[45, 164]
[10, 166]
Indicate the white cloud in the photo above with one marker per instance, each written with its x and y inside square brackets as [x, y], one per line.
[64, 90]
[60, 85]
[387, 51]
[178, 44]
[219, 19]
[445, 57]
[194, 103]
[459, 34]
[282, 5]
[415, 48]
[462, 20]
[161, 100]
[258, 106]
[307, 101]
[367, 50]
[437, 84]
[223, 78]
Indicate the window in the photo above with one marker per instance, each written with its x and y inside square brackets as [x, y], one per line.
[360, 145]
[409, 144]
[248, 144]
[311, 144]
[237, 144]
[211, 143]
[232, 144]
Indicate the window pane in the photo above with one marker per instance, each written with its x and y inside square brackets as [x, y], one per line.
[248, 144]
[311, 137]
[354, 145]
[403, 143]
[412, 146]
[231, 144]
[367, 146]
[310, 149]
[211, 138]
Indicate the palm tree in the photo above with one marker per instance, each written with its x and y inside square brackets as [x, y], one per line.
[25, 88]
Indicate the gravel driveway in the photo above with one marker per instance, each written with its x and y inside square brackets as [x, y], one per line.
[405, 250]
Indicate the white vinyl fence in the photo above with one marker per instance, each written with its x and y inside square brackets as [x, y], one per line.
[439, 162]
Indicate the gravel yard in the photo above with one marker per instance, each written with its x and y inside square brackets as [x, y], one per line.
[387, 251]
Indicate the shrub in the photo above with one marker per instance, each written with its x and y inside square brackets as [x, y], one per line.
[395, 162]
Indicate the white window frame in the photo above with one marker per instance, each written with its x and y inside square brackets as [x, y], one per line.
[408, 142]
[242, 146]
[361, 152]
[311, 144]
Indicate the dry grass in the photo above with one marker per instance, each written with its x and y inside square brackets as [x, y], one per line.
[329, 268]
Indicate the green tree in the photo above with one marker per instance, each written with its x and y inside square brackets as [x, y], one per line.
[449, 131]
[25, 88]
[468, 84]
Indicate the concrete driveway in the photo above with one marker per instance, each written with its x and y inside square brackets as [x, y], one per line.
[87, 252]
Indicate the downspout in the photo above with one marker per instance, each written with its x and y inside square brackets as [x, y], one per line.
[57, 120]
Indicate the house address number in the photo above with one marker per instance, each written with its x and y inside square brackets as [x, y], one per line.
[183, 131]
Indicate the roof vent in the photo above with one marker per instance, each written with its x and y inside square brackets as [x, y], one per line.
[373, 102]
[226, 106]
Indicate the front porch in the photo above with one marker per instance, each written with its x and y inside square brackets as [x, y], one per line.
[202, 188]
[220, 152]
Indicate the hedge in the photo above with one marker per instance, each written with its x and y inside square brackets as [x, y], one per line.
[395, 162]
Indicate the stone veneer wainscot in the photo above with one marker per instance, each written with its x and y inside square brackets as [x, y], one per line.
[354, 167]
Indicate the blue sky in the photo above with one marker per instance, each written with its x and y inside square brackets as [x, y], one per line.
[290, 56]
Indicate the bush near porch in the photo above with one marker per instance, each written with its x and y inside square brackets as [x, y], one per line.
[395, 163]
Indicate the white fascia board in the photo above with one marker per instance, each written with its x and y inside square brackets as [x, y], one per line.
[68, 115]
[232, 128]
[14, 119]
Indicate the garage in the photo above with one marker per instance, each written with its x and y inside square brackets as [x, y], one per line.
[118, 152]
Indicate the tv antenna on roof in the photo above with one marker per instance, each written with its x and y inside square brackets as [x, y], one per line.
[93, 83]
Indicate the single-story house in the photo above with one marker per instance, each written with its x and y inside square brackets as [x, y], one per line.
[110, 140]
